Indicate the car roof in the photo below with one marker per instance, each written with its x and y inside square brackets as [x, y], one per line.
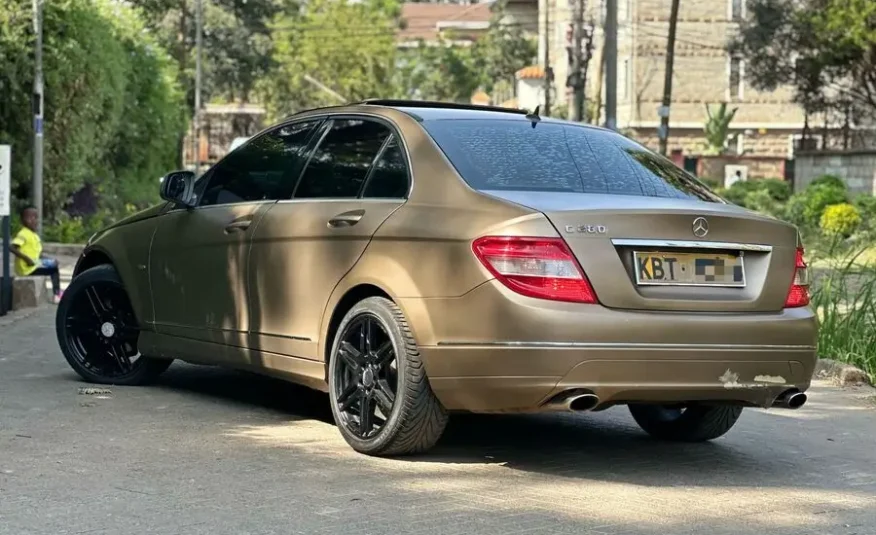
[423, 110]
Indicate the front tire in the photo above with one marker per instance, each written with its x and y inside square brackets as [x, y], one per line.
[380, 396]
[98, 331]
[697, 423]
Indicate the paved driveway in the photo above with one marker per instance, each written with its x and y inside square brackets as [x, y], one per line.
[215, 452]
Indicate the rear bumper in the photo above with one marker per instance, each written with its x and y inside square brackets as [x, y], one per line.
[494, 351]
[516, 378]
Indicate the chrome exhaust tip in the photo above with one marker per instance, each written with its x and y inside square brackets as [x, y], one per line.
[574, 401]
[790, 400]
[584, 402]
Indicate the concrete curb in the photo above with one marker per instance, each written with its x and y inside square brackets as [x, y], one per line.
[840, 373]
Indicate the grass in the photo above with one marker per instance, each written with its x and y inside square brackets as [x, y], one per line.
[844, 296]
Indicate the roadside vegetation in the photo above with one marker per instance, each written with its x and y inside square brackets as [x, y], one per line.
[839, 234]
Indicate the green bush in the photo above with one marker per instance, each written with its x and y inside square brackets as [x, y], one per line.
[68, 229]
[840, 220]
[778, 189]
[866, 205]
[711, 183]
[828, 180]
[761, 201]
[760, 195]
[737, 192]
[795, 209]
[818, 198]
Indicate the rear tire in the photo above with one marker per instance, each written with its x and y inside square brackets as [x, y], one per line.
[697, 423]
[98, 331]
[382, 371]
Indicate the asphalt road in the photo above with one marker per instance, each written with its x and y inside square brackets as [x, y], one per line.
[219, 452]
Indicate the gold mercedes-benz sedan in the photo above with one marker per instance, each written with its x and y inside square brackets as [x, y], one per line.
[414, 259]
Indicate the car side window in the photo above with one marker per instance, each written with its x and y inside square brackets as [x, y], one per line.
[389, 177]
[342, 160]
[263, 169]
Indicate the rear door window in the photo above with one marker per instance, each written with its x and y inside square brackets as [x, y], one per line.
[497, 154]
[339, 165]
[389, 176]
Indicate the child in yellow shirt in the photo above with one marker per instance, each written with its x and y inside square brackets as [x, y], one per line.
[28, 249]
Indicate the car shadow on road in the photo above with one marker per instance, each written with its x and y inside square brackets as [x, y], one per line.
[250, 390]
[604, 445]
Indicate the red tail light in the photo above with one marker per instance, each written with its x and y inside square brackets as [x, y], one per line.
[798, 295]
[535, 267]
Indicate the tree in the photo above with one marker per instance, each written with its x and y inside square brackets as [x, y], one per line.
[437, 72]
[717, 127]
[504, 50]
[110, 102]
[347, 47]
[440, 71]
[237, 48]
[824, 49]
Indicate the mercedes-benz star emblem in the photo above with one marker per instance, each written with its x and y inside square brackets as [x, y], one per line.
[700, 227]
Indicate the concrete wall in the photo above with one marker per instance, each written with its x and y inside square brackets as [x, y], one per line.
[772, 143]
[758, 167]
[857, 168]
[530, 93]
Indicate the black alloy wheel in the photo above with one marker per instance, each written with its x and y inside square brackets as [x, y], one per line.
[381, 398]
[366, 379]
[98, 331]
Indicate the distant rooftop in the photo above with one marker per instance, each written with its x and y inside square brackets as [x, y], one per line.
[427, 21]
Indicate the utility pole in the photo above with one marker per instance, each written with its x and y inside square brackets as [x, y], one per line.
[196, 119]
[663, 133]
[548, 78]
[37, 185]
[576, 103]
[600, 75]
[611, 64]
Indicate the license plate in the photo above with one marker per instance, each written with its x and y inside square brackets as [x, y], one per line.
[689, 269]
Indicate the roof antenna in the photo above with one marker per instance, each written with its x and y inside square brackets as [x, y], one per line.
[533, 116]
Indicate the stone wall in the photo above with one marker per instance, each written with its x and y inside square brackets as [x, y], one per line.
[857, 168]
[773, 143]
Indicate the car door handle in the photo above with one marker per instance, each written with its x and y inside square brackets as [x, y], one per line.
[238, 225]
[346, 219]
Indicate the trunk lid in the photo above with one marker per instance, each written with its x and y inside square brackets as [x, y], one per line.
[604, 231]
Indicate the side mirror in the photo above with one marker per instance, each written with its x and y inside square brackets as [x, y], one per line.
[179, 187]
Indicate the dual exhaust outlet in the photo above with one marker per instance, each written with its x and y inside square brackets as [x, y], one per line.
[582, 400]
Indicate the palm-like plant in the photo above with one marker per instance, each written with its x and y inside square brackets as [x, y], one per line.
[717, 128]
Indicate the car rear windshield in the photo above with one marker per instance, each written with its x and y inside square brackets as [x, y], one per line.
[497, 154]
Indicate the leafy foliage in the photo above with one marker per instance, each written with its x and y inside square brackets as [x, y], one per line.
[822, 48]
[110, 98]
[828, 180]
[504, 50]
[866, 205]
[717, 127]
[237, 46]
[840, 220]
[764, 195]
[351, 49]
[439, 72]
[348, 47]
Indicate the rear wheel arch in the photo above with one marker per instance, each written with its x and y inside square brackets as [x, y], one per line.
[350, 298]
